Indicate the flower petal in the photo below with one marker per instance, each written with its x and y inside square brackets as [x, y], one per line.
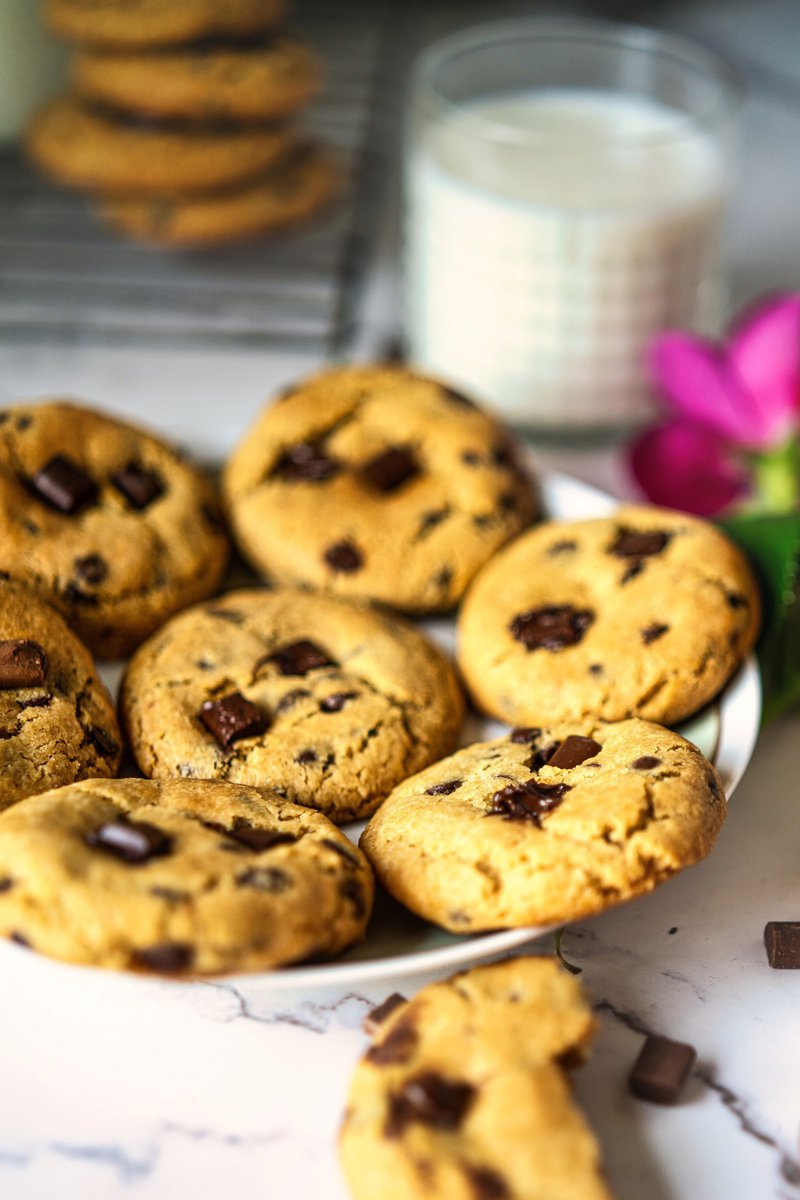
[683, 464]
[697, 378]
[764, 351]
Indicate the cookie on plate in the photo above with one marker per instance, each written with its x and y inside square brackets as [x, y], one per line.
[464, 1093]
[328, 702]
[182, 877]
[57, 722]
[292, 193]
[108, 523]
[157, 23]
[647, 613]
[264, 79]
[103, 151]
[546, 825]
[376, 482]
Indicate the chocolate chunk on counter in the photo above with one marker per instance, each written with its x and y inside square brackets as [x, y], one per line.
[374, 1019]
[64, 485]
[661, 1070]
[232, 717]
[782, 940]
[573, 751]
[140, 486]
[133, 842]
[22, 664]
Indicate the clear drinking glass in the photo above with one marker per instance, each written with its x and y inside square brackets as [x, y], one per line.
[565, 184]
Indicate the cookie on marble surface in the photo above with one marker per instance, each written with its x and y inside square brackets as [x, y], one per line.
[376, 482]
[107, 522]
[647, 613]
[179, 877]
[292, 193]
[103, 151]
[464, 1093]
[264, 79]
[546, 825]
[57, 721]
[159, 23]
[329, 702]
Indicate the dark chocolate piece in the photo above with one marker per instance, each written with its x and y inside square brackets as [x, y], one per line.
[390, 470]
[486, 1184]
[259, 839]
[432, 1100]
[232, 717]
[305, 757]
[336, 701]
[138, 485]
[573, 751]
[646, 763]
[169, 957]
[639, 543]
[524, 734]
[527, 801]
[298, 658]
[307, 462]
[92, 568]
[374, 1019]
[22, 664]
[290, 699]
[563, 547]
[134, 842]
[64, 485]
[102, 741]
[661, 1070]
[551, 627]
[6, 884]
[398, 1045]
[542, 756]
[782, 940]
[344, 851]
[344, 556]
[653, 632]
[444, 789]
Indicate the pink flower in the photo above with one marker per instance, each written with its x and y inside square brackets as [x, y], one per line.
[743, 394]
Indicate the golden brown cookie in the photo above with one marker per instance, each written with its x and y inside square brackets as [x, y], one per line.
[107, 152]
[107, 522]
[159, 22]
[260, 80]
[465, 1093]
[376, 482]
[181, 878]
[290, 194]
[57, 721]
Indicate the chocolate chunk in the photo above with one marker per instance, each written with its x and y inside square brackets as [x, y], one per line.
[782, 940]
[432, 1100]
[307, 462]
[542, 756]
[169, 957]
[22, 664]
[551, 627]
[231, 718]
[139, 486]
[736, 600]
[527, 801]
[259, 839]
[24, 423]
[646, 763]
[35, 702]
[630, 572]
[373, 1020]
[102, 741]
[430, 520]
[471, 457]
[596, 669]
[653, 632]
[390, 470]
[298, 658]
[398, 1045]
[444, 789]
[64, 485]
[20, 940]
[352, 890]
[91, 568]
[231, 615]
[507, 501]
[133, 841]
[563, 547]
[290, 699]
[344, 556]
[342, 850]
[75, 595]
[661, 1070]
[524, 734]
[638, 543]
[573, 751]
[503, 454]
[305, 757]
[265, 879]
[443, 578]
[336, 701]
[486, 1184]
[6, 884]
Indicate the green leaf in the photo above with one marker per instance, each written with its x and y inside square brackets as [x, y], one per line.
[772, 543]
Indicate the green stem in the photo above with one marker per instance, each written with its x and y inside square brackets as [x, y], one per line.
[777, 478]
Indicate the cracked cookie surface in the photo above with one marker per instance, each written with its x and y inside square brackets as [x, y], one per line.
[327, 701]
[154, 23]
[181, 877]
[105, 521]
[647, 613]
[418, 488]
[546, 825]
[464, 1093]
[57, 722]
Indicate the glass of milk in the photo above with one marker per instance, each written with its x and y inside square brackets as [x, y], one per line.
[565, 184]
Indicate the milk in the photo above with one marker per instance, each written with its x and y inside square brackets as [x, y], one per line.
[548, 235]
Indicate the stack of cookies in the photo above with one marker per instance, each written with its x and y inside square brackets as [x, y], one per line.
[179, 121]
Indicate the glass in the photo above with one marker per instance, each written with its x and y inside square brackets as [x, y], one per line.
[565, 184]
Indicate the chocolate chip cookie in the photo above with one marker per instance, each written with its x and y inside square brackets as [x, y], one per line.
[644, 613]
[288, 195]
[417, 486]
[182, 878]
[104, 151]
[328, 702]
[546, 825]
[57, 722]
[158, 23]
[464, 1093]
[265, 79]
[108, 523]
